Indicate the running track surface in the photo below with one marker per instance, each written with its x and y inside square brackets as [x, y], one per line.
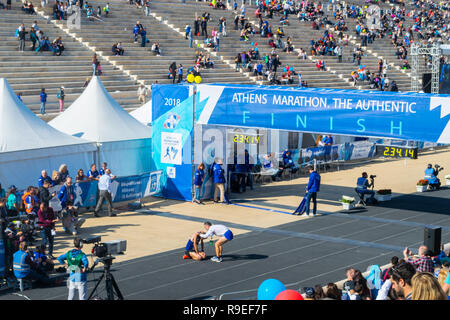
[303, 253]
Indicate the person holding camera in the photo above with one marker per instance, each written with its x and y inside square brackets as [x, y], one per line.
[431, 176]
[77, 264]
[362, 185]
[70, 220]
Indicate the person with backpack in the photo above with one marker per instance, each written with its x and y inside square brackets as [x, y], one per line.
[61, 95]
[77, 264]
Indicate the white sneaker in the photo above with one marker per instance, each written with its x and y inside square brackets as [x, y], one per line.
[215, 259]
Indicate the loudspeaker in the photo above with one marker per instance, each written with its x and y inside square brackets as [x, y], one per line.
[432, 239]
[426, 82]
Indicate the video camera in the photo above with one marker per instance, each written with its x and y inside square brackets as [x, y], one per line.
[103, 249]
[438, 167]
[372, 176]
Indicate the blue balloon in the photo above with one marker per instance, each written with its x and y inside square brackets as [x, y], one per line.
[291, 69]
[253, 44]
[284, 69]
[269, 289]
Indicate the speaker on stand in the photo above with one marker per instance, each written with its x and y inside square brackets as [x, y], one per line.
[432, 239]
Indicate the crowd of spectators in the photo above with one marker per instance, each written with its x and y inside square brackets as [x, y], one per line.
[40, 42]
[27, 215]
[413, 277]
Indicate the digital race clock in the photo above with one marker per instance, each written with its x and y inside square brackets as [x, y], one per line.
[396, 152]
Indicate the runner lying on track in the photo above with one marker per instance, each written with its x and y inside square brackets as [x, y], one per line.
[191, 250]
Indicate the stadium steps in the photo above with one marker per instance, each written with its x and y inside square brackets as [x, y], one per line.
[28, 71]
[179, 14]
[140, 63]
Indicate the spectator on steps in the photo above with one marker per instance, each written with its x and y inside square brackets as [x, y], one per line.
[43, 99]
[61, 95]
[142, 93]
[22, 34]
[143, 37]
[33, 38]
[156, 49]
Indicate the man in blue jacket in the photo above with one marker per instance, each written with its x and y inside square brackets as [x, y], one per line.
[219, 181]
[312, 189]
[44, 177]
[66, 193]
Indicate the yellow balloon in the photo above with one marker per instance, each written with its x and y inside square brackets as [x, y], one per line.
[198, 79]
[190, 77]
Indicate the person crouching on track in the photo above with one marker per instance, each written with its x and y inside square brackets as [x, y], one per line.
[222, 232]
[192, 251]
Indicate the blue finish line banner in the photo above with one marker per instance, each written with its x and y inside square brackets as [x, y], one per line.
[409, 116]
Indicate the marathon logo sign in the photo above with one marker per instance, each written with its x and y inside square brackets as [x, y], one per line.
[407, 116]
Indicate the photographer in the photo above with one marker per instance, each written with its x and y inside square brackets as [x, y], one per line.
[431, 176]
[362, 185]
[77, 263]
[70, 220]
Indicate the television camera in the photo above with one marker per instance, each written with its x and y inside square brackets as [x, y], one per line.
[104, 251]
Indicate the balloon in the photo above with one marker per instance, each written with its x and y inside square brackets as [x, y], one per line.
[291, 69]
[269, 289]
[190, 77]
[289, 295]
[253, 44]
[256, 44]
[284, 69]
[198, 79]
[198, 45]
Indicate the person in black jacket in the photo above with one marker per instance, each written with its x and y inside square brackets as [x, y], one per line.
[173, 71]
[22, 34]
[44, 193]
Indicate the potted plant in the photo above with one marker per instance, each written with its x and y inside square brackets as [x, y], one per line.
[422, 185]
[447, 180]
[383, 195]
[347, 202]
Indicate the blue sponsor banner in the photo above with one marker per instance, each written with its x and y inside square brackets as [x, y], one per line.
[172, 126]
[122, 189]
[408, 116]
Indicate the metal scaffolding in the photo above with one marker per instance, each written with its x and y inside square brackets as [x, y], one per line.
[420, 66]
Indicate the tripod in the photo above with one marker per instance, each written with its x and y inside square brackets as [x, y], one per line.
[110, 283]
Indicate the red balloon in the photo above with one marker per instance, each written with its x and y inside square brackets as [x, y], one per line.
[289, 295]
[256, 44]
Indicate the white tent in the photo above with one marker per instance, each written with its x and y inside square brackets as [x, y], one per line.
[123, 142]
[143, 114]
[28, 144]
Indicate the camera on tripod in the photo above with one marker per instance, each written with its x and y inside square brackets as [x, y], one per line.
[372, 176]
[438, 167]
[103, 249]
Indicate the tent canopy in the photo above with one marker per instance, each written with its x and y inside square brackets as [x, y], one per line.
[29, 145]
[21, 129]
[143, 114]
[96, 116]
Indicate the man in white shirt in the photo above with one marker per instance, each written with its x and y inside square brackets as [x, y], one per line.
[222, 232]
[104, 186]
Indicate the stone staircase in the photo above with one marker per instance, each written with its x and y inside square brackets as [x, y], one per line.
[179, 14]
[28, 71]
[139, 62]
